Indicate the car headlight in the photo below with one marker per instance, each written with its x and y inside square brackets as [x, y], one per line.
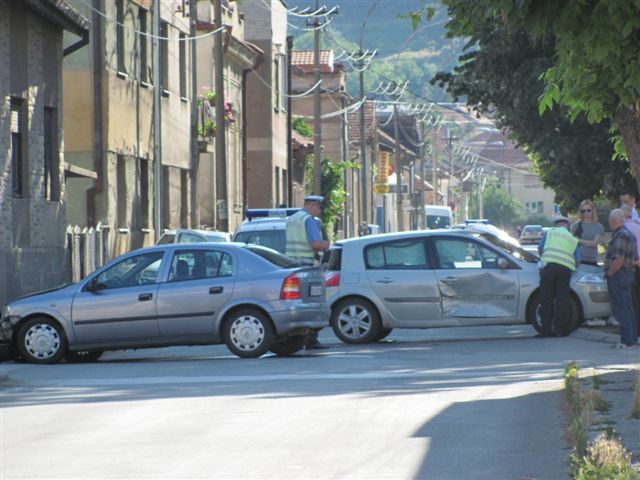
[591, 278]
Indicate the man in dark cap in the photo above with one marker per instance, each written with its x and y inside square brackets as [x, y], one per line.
[559, 256]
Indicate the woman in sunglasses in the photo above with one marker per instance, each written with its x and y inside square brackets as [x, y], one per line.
[589, 233]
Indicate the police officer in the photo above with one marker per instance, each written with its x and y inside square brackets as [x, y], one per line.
[560, 257]
[305, 242]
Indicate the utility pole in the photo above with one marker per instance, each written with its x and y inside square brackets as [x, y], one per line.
[157, 137]
[450, 141]
[289, 192]
[222, 207]
[423, 166]
[398, 155]
[363, 150]
[317, 111]
[434, 166]
[193, 24]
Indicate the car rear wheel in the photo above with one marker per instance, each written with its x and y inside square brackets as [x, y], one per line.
[248, 333]
[356, 321]
[41, 340]
[534, 316]
[289, 345]
[82, 356]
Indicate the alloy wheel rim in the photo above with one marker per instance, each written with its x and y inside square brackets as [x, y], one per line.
[354, 321]
[42, 341]
[247, 333]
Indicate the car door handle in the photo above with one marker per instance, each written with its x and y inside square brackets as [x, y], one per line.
[384, 280]
[216, 290]
[145, 297]
[449, 280]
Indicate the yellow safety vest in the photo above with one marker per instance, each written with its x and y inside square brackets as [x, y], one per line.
[298, 245]
[559, 247]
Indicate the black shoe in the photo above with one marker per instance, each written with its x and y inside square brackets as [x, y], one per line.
[316, 346]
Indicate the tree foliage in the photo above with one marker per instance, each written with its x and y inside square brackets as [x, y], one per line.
[500, 76]
[596, 67]
[499, 207]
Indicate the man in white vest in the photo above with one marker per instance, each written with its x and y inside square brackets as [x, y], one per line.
[560, 256]
[305, 244]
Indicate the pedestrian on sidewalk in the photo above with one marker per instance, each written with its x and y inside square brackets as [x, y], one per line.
[634, 228]
[622, 255]
[560, 257]
[589, 233]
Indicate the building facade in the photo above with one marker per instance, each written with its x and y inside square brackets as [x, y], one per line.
[109, 116]
[32, 167]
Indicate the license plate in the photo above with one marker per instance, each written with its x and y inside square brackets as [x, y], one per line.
[315, 290]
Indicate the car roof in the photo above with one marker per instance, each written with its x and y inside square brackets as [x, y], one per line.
[195, 230]
[400, 235]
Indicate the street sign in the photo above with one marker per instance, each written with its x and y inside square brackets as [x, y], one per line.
[381, 188]
[383, 167]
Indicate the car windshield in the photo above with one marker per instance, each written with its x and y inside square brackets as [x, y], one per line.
[518, 252]
[438, 221]
[274, 239]
[272, 256]
[215, 238]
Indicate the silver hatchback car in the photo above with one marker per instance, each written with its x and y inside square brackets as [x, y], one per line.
[252, 298]
[442, 278]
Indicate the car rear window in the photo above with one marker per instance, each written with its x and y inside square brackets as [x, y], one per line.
[397, 255]
[272, 256]
[167, 238]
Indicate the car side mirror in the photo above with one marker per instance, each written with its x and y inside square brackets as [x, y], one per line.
[503, 263]
[93, 285]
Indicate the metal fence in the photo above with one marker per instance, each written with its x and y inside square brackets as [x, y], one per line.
[88, 249]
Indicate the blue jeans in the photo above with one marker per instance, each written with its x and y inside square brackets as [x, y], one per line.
[619, 287]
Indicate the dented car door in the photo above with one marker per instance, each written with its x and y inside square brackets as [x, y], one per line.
[478, 285]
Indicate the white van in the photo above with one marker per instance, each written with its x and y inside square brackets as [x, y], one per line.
[438, 216]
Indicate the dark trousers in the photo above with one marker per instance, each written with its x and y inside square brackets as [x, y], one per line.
[554, 300]
[619, 287]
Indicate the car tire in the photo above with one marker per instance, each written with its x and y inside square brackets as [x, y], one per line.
[248, 333]
[533, 316]
[384, 333]
[356, 321]
[42, 340]
[83, 356]
[289, 345]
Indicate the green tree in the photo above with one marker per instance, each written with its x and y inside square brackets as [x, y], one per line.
[500, 75]
[500, 208]
[596, 66]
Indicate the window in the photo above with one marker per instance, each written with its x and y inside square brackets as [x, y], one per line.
[18, 157]
[276, 90]
[459, 253]
[535, 206]
[284, 187]
[120, 47]
[397, 255]
[121, 191]
[143, 192]
[166, 197]
[196, 264]
[143, 39]
[182, 52]
[164, 57]
[190, 238]
[273, 257]
[275, 239]
[51, 156]
[282, 72]
[137, 270]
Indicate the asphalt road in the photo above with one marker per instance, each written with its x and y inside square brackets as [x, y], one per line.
[467, 403]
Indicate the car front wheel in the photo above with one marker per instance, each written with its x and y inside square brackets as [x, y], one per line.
[356, 321]
[248, 333]
[534, 316]
[41, 340]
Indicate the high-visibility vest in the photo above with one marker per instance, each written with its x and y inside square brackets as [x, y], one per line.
[559, 247]
[298, 245]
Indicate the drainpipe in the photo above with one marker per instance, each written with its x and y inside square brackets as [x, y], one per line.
[289, 199]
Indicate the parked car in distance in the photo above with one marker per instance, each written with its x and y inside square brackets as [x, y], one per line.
[187, 235]
[442, 278]
[531, 234]
[251, 298]
[438, 216]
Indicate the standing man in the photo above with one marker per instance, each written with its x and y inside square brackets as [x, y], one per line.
[305, 243]
[622, 254]
[628, 199]
[634, 228]
[560, 256]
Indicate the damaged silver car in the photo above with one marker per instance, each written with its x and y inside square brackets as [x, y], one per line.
[442, 278]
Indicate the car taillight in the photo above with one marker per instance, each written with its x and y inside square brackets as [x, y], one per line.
[290, 288]
[332, 279]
